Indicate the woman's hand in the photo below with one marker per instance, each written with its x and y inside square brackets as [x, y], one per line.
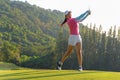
[89, 12]
[61, 25]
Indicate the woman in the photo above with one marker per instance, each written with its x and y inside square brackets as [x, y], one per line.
[74, 38]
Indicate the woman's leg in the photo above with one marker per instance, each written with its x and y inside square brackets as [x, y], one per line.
[68, 52]
[79, 53]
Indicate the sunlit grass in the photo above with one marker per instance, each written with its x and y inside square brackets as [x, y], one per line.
[10, 71]
[29, 74]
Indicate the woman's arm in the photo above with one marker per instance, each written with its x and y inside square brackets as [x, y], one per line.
[83, 16]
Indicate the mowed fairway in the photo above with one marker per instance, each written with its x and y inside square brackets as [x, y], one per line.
[31, 74]
[9, 71]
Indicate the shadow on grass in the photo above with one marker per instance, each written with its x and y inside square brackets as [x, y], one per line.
[24, 75]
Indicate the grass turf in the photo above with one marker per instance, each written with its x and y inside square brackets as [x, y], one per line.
[10, 71]
[30, 74]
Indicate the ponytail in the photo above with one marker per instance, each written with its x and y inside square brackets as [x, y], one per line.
[65, 20]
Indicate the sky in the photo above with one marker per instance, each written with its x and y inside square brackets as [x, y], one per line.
[103, 12]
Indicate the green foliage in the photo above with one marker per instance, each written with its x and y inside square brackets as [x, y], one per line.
[25, 25]
[44, 62]
[9, 53]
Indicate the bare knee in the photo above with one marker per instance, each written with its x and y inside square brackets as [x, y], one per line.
[69, 50]
[79, 48]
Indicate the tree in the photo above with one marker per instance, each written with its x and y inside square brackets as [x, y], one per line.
[9, 53]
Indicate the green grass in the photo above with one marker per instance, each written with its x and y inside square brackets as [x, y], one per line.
[8, 66]
[33, 74]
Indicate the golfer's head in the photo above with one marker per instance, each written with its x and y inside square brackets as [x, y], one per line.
[68, 14]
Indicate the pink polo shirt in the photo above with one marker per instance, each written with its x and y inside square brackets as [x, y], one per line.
[73, 26]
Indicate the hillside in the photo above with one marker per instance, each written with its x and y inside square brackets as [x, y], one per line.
[28, 27]
[27, 31]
